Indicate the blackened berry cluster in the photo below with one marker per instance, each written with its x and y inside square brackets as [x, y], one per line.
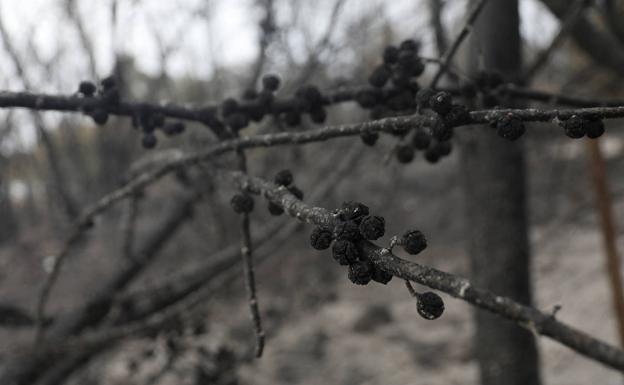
[284, 178]
[577, 127]
[242, 203]
[352, 227]
[509, 127]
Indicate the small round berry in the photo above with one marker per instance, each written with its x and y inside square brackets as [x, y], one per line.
[270, 82]
[391, 54]
[312, 95]
[595, 128]
[294, 190]
[414, 242]
[283, 178]
[432, 155]
[345, 252]
[242, 203]
[429, 305]
[379, 77]
[237, 121]
[275, 209]
[373, 227]
[108, 82]
[441, 103]
[321, 238]
[510, 127]
[87, 88]
[318, 115]
[409, 45]
[366, 98]
[348, 230]
[361, 272]
[381, 276]
[149, 140]
[229, 106]
[423, 96]
[111, 96]
[405, 153]
[421, 140]
[99, 116]
[574, 127]
[369, 138]
[353, 211]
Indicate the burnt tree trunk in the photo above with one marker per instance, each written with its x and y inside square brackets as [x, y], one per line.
[496, 208]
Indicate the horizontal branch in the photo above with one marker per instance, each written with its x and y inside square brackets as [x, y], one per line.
[525, 316]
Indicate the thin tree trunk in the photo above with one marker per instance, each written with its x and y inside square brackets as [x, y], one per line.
[496, 211]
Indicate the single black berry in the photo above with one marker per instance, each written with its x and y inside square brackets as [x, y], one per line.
[574, 127]
[361, 272]
[379, 77]
[318, 115]
[87, 88]
[108, 83]
[391, 54]
[423, 96]
[510, 127]
[405, 153]
[99, 116]
[595, 128]
[283, 178]
[237, 121]
[432, 155]
[275, 209]
[429, 305]
[294, 190]
[409, 45]
[369, 138]
[242, 203]
[321, 238]
[414, 242]
[149, 140]
[373, 227]
[345, 252]
[421, 140]
[381, 276]
[366, 98]
[270, 82]
[441, 102]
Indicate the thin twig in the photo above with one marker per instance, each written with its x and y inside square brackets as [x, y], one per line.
[465, 31]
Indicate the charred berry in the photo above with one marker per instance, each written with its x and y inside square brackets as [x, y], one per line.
[391, 54]
[381, 276]
[87, 88]
[414, 242]
[372, 227]
[574, 127]
[275, 209]
[409, 45]
[318, 115]
[294, 190]
[361, 272]
[379, 77]
[237, 121]
[421, 140]
[149, 140]
[369, 138]
[348, 230]
[595, 128]
[429, 305]
[270, 82]
[283, 178]
[353, 211]
[405, 153]
[441, 103]
[321, 238]
[510, 127]
[242, 203]
[345, 252]
[432, 155]
[99, 116]
[366, 99]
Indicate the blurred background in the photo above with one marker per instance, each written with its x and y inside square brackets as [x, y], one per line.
[320, 328]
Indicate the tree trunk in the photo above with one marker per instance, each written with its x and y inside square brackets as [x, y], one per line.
[496, 211]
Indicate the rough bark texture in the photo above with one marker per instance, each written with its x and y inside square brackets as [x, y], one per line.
[496, 212]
